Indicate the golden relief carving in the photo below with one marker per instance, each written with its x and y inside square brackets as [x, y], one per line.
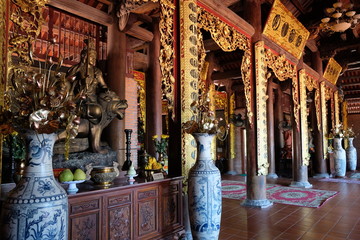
[261, 117]
[311, 84]
[189, 76]
[323, 116]
[232, 128]
[166, 58]
[27, 19]
[3, 55]
[318, 108]
[229, 39]
[328, 93]
[337, 108]
[304, 114]
[283, 70]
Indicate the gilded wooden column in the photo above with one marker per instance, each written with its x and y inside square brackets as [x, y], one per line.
[256, 180]
[300, 139]
[319, 164]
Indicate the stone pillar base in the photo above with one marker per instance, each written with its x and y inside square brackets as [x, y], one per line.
[301, 184]
[321, 175]
[264, 203]
[272, 175]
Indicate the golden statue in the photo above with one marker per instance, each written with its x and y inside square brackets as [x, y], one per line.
[100, 105]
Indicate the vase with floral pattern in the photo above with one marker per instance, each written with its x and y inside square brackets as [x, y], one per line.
[37, 208]
[339, 158]
[351, 155]
[204, 191]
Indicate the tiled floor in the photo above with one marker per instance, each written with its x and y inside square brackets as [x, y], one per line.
[338, 218]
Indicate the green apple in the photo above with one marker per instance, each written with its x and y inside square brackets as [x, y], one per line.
[79, 175]
[66, 176]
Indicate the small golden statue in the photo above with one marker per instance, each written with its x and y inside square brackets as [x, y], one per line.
[100, 105]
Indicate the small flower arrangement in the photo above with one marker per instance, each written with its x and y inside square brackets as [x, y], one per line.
[337, 131]
[205, 120]
[161, 145]
[349, 133]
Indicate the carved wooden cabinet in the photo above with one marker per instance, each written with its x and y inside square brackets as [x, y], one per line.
[151, 210]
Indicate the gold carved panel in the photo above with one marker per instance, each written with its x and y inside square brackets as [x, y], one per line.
[230, 39]
[332, 71]
[283, 70]
[166, 26]
[232, 127]
[311, 84]
[3, 65]
[304, 131]
[261, 109]
[337, 108]
[285, 30]
[323, 116]
[189, 79]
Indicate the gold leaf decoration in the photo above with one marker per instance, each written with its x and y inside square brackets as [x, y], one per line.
[283, 70]
[229, 39]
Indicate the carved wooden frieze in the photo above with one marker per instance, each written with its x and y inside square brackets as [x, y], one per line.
[147, 194]
[84, 206]
[120, 223]
[121, 199]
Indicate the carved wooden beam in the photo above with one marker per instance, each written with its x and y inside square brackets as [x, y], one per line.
[140, 33]
[83, 10]
[228, 15]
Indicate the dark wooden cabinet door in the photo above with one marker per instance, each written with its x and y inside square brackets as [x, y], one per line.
[119, 216]
[147, 213]
[84, 219]
[171, 206]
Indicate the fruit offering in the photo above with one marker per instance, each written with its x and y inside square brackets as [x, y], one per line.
[67, 176]
[153, 164]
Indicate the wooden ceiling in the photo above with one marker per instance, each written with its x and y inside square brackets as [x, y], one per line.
[344, 47]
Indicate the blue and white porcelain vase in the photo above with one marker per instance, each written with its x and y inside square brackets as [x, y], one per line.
[351, 155]
[37, 208]
[339, 158]
[204, 192]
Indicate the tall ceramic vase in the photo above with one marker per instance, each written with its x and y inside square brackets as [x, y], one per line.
[37, 208]
[204, 192]
[339, 158]
[351, 155]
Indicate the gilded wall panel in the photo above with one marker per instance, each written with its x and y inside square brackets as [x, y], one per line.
[337, 108]
[3, 65]
[189, 78]
[323, 116]
[232, 127]
[261, 120]
[303, 119]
